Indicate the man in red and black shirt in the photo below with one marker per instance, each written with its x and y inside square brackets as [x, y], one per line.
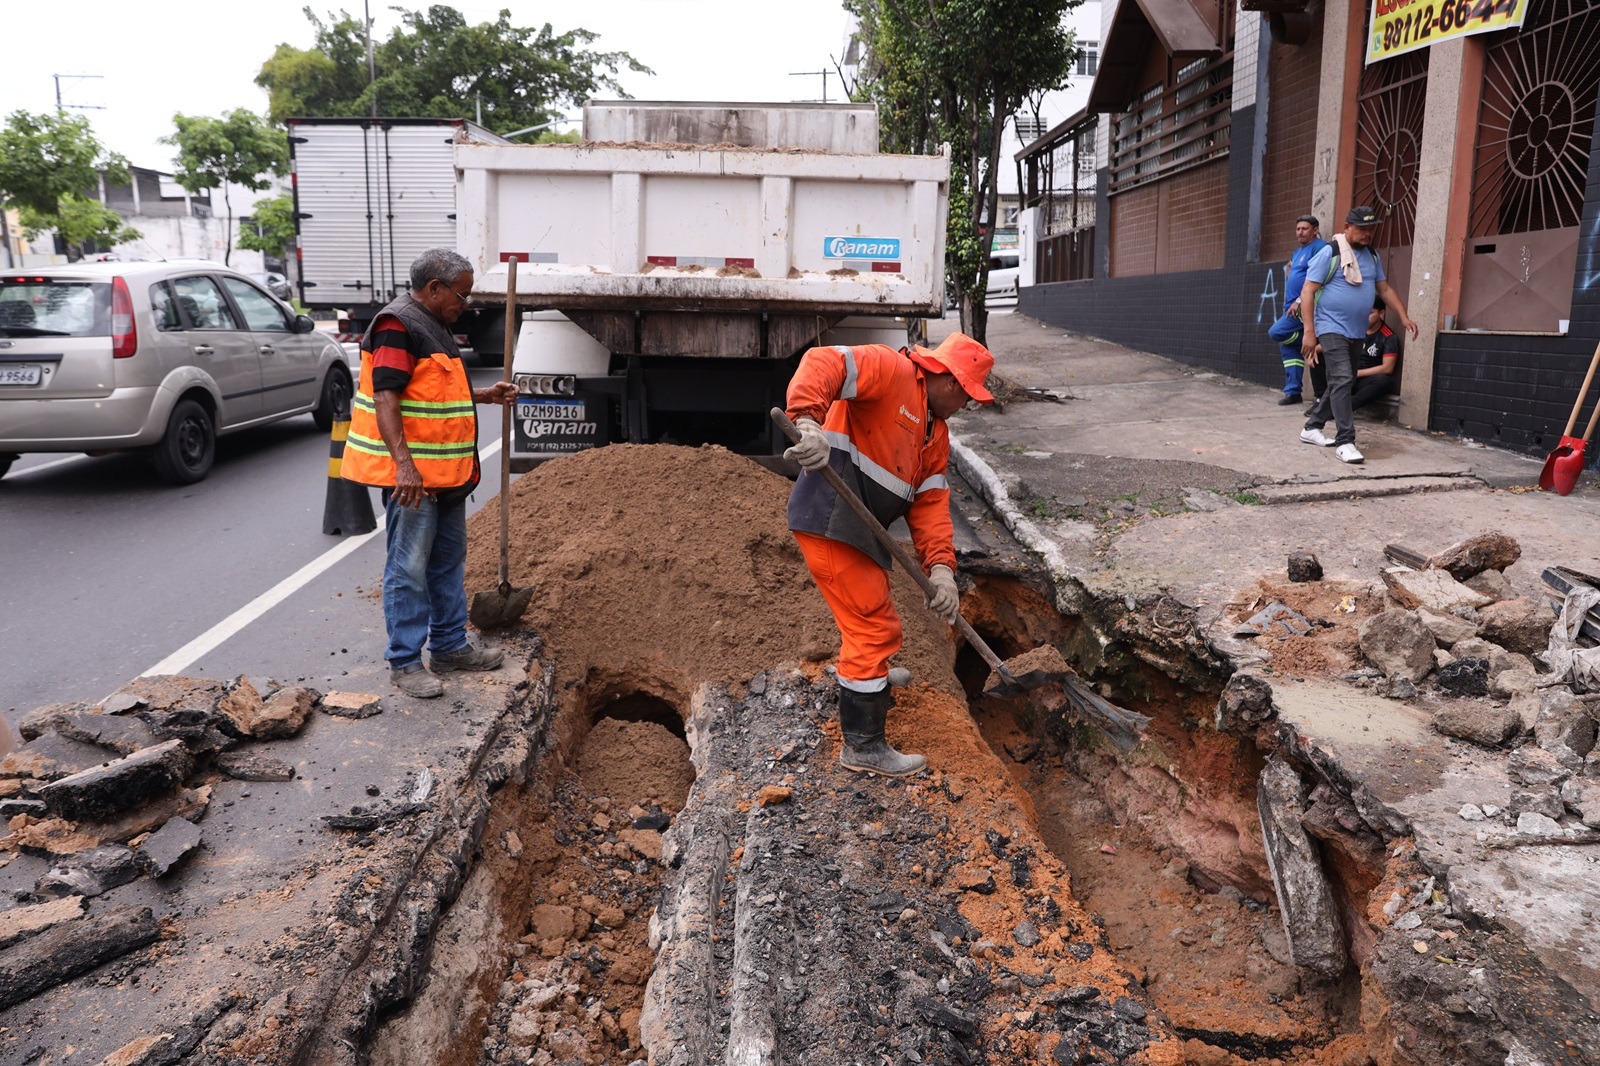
[414, 432]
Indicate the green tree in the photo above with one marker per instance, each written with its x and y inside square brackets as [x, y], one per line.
[271, 228]
[239, 148]
[435, 64]
[81, 222]
[955, 71]
[47, 163]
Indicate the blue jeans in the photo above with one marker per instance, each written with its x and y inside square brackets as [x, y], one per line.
[1338, 356]
[424, 579]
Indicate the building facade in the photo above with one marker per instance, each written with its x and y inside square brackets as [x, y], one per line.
[1209, 129]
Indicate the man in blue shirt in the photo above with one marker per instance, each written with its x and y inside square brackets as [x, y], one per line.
[1307, 234]
[1342, 282]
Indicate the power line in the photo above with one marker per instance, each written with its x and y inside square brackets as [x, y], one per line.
[79, 107]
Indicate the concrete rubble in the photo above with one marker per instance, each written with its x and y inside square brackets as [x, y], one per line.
[1378, 802]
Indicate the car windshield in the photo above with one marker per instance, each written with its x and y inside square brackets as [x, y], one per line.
[46, 307]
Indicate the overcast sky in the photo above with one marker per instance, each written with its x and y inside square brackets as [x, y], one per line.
[201, 58]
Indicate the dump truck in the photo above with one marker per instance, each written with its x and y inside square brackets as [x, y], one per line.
[369, 195]
[675, 263]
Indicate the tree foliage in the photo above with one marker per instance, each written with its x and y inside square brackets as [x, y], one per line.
[955, 71]
[47, 163]
[271, 228]
[80, 222]
[435, 64]
[237, 149]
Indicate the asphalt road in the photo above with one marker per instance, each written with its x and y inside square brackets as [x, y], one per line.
[106, 572]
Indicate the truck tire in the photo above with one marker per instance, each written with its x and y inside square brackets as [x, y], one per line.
[186, 451]
[488, 337]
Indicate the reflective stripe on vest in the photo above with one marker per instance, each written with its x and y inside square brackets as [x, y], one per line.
[438, 419]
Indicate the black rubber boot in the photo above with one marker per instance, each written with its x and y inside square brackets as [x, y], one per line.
[861, 719]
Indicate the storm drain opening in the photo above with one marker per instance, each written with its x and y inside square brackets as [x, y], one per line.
[1165, 846]
[544, 957]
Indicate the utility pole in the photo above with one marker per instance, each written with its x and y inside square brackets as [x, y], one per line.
[372, 67]
[478, 94]
[80, 107]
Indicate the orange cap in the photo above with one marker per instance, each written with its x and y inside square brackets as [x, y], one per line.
[962, 356]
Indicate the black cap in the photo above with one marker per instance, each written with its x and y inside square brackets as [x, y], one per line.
[1311, 219]
[1362, 216]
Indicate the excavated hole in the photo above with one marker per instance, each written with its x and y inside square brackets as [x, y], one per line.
[544, 956]
[1165, 846]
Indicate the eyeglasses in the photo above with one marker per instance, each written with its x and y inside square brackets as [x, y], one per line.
[464, 298]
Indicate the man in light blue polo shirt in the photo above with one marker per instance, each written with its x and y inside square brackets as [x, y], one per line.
[1342, 281]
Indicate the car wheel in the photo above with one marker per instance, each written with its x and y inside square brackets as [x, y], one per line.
[336, 394]
[185, 453]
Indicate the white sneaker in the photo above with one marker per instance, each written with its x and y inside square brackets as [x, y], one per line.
[1317, 437]
[1347, 453]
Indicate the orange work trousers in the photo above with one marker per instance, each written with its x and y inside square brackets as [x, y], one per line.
[857, 590]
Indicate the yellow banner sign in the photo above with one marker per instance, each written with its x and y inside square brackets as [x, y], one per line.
[1400, 26]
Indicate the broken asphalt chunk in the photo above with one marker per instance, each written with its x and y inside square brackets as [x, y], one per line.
[36, 723]
[282, 714]
[19, 923]
[63, 952]
[1274, 620]
[1304, 566]
[351, 704]
[248, 766]
[52, 757]
[89, 873]
[106, 790]
[166, 847]
[123, 735]
[362, 820]
[936, 1013]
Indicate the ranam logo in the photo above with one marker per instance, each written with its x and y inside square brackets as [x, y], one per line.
[909, 415]
[882, 248]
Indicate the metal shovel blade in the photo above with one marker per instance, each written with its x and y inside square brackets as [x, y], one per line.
[1026, 672]
[1565, 468]
[500, 607]
[1568, 445]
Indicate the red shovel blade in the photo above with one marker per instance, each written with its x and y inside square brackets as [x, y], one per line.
[1568, 446]
[1567, 469]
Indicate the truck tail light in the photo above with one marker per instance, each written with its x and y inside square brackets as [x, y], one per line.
[124, 333]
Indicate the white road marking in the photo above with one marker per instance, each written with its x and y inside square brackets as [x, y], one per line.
[52, 464]
[230, 626]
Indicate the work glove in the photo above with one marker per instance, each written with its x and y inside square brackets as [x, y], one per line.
[812, 451]
[945, 601]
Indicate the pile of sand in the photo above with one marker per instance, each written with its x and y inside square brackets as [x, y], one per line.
[675, 563]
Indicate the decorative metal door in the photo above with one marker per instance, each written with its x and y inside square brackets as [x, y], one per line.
[1535, 137]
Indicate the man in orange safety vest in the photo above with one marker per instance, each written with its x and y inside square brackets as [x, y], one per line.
[876, 415]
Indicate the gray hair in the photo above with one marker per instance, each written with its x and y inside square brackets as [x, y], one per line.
[438, 264]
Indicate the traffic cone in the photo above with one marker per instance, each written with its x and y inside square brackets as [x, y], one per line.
[348, 508]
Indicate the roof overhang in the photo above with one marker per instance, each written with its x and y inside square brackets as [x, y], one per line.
[1039, 144]
[1175, 26]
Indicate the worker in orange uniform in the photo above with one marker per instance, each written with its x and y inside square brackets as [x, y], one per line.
[877, 416]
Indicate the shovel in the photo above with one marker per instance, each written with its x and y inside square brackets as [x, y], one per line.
[503, 605]
[1566, 460]
[1022, 673]
[1568, 467]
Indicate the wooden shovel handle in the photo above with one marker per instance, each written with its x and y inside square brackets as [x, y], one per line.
[1593, 420]
[907, 561]
[511, 349]
[1583, 394]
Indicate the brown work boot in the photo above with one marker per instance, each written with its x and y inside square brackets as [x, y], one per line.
[413, 680]
[861, 719]
[467, 657]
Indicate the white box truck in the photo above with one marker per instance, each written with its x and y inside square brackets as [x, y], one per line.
[675, 264]
[369, 195]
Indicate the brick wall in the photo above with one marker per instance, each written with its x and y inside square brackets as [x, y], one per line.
[1293, 74]
[1194, 218]
[1133, 231]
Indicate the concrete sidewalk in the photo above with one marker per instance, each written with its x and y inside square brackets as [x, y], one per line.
[1147, 484]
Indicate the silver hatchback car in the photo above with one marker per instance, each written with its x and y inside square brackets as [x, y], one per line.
[164, 357]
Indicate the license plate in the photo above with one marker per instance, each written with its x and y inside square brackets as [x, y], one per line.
[21, 374]
[565, 410]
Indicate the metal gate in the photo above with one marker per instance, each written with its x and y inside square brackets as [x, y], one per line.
[1388, 157]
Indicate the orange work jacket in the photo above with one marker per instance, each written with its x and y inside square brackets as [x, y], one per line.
[437, 415]
[872, 402]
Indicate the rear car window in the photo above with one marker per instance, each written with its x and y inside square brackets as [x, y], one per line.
[163, 308]
[203, 304]
[47, 307]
